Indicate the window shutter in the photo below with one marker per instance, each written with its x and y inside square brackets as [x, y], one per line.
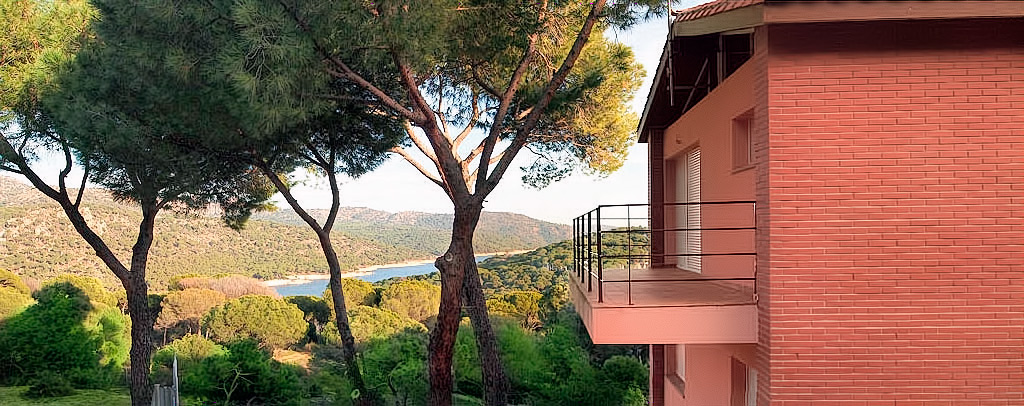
[693, 211]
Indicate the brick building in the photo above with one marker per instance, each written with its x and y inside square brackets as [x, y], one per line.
[836, 209]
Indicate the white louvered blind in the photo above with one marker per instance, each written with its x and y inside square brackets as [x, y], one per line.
[692, 238]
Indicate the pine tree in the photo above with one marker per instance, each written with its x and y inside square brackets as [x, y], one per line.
[512, 75]
[132, 125]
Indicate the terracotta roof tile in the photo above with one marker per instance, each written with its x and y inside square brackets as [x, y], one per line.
[712, 8]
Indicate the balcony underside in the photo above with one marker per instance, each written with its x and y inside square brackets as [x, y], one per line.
[688, 311]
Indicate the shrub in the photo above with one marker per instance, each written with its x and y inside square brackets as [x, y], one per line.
[49, 384]
[237, 286]
[92, 288]
[357, 293]
[245, 374]
[367, 323]
[184, 309]
[191, 349]
[9, 280]
[12, 301]
[272, 322]
[417, 300]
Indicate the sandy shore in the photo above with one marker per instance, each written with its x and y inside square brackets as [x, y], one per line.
[306, 278]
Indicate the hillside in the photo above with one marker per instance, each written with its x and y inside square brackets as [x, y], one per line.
[430, 232]
[37, 240]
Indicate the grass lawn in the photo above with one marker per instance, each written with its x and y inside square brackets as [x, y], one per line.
[11, 396]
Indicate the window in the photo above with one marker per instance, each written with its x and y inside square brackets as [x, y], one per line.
[687, 216]
[751, 387]
[744, 384]
[742, 150]
[692, 221]
[681, 362]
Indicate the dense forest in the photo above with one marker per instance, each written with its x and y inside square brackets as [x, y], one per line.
[237, 343]
[37, 240]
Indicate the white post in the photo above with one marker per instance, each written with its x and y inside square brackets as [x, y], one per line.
[174, 373]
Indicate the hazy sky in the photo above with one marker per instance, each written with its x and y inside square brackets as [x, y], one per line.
[396, 186]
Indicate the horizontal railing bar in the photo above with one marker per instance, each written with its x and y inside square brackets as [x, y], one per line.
[644, 230]
[681, 255]
[678, 280]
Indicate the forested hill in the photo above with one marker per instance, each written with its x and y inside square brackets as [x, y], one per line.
[37, 240]
[430, 232]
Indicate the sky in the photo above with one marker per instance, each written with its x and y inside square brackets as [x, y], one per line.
[396, 186]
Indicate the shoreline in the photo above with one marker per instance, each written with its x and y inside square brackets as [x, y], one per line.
[300, 279]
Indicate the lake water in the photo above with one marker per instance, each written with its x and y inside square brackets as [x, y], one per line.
[317, 287]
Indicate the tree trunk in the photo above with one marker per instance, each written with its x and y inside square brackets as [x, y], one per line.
[348, 342]
[452, 267]
[141, 314]
[141, 352]
[493, 371]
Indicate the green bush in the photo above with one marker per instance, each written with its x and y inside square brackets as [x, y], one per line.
[191, 349]
[9, 280]
[417, 300]
[357, 293]
[398, 363]
[273, 322]
[245, 374]
[49, 384]
[367, 323]
[12, 301]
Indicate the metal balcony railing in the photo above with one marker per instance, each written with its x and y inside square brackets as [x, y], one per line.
[618, 237]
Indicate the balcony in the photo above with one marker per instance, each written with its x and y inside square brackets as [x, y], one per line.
[630, 291]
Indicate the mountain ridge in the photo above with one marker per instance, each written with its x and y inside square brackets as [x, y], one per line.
[38, 241]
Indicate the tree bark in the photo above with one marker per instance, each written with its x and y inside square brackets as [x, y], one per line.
[348, 342]
[452, 267]
[141, 313]
[495, 382]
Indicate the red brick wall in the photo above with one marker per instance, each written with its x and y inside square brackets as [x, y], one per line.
[895, 180]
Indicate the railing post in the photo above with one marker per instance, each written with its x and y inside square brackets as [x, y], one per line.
[576, 247]
[590, 251]
[629, 256]
[600, 260]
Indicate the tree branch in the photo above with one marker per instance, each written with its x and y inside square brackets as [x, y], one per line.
[286, 191]
[522, 133]
[503, 106]
[444, 156]
[332, 178]
[408, 158]
[77, 220]
[81, 187]
[473, 119]
[345, 72]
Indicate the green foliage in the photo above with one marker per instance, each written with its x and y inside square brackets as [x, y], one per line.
[12, 301]
[536, 270]
[91, 287]
[398, 362]
[9, 280]
[185, 308]
[368, 323]
[523, 306]
[271, 322]
[417, 300]
[316, 312]
[245, 374]
[357, 293]
[66, 334]
[49, 384]
[12, 396]
[190, 349]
